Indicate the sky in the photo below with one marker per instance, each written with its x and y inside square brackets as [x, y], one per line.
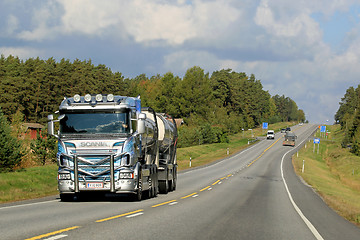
[306, 50]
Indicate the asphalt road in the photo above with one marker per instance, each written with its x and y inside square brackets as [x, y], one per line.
[254, 194]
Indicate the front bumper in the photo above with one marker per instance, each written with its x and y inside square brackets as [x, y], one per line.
[121, 186]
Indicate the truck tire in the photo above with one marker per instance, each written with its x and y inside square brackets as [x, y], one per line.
[138, 195]
[156, 185]
[174, 183]
[66, 197]
[164, 186]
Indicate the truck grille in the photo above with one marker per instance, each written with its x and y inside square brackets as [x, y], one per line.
[95, 168]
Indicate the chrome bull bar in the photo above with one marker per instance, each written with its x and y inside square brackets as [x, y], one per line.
[77, 157]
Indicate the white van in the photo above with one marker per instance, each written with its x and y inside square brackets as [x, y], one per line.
[270, 134]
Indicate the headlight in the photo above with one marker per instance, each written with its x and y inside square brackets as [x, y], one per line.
[64, 176]
[126, 175]
[64, 161]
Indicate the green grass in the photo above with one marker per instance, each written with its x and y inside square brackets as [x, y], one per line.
[41, 181]
[28, 183]
[333, 172]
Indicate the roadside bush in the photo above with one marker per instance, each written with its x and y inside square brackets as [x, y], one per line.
[205, 134]
[10, 148]
[44, 148]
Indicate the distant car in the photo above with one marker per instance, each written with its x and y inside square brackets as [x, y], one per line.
[287, 129]
[283, 130]
[270, 134]
[301, 124]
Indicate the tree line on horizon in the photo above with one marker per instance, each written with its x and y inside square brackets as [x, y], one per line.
[211, 105]
[348, 116]
[36, 87]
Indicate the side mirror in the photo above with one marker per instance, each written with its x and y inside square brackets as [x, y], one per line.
[141, 123]
[50, 125]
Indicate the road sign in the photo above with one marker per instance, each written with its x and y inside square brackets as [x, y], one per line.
[323, 129]
[265, 125]
[317, 140]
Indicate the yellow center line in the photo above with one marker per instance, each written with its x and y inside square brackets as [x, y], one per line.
[204, 189]
[229, 175]
[53, 233]
[160, 204]
[189, 195]
[118, 216]
[216, 182]
[263, 153]
[222, 178]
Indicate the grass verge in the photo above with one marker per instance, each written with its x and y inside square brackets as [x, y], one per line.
[36, 182]
[28, 183]
[333, 172]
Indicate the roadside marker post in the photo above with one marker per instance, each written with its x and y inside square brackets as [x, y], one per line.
[303, 167]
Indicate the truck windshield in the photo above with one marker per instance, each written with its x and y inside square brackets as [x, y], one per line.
[94, 123]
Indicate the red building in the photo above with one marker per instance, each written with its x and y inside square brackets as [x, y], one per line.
[31, 129]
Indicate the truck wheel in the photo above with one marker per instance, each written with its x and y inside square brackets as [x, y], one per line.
[150, 191]
[164, 186]
[138, 195]
[156, 186]
[66, 197]
[174, 184]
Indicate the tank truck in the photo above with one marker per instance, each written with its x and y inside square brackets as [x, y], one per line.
[107, 144]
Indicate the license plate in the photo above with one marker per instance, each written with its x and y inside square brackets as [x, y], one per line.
[94, 185]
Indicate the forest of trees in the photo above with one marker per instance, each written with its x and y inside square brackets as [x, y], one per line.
[212, 106]
[348, 116]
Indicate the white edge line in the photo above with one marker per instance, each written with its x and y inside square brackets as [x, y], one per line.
[135, 215]
[56, 237]
[307, 222]
[28, 204]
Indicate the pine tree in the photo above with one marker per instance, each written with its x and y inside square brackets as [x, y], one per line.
[10, 148]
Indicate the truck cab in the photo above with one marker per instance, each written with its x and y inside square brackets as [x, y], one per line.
[105, 144]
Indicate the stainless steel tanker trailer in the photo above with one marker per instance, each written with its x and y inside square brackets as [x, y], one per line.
[107, 144]
[167, 140]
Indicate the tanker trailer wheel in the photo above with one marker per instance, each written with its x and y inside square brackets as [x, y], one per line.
[164, 186]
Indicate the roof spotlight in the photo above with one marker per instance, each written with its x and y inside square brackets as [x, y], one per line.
[77, 98]
[87, 97]
[98, 97]
[110, 97]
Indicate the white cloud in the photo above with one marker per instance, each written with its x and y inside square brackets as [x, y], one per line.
[89, 17]
[45, 21]
[301, 25]
[145, 21]
[21, 52]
